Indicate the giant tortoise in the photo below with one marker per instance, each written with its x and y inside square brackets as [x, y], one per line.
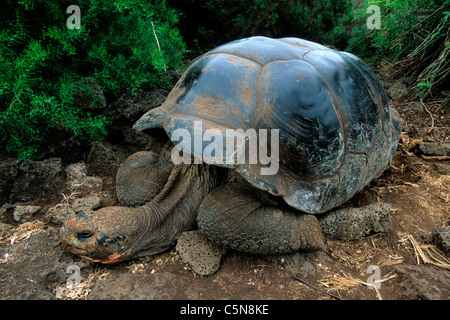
[323, 128]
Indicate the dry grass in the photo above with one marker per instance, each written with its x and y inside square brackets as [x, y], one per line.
[81, 290]
[347, 282]
[427, 253]
[406, 143]
[337, 282]
[23, 231]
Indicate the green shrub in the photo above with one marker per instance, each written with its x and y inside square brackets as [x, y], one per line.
[414, 34]
[403, 26]
[124, 44]
[207, 24]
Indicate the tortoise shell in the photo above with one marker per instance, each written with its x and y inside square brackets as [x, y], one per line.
[335, 128]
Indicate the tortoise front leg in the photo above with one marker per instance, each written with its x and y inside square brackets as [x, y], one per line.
[238, 217]
[142, 176]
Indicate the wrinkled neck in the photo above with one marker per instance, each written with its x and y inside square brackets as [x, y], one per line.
[174, 209]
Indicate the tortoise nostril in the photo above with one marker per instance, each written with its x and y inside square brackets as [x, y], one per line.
[83, 235]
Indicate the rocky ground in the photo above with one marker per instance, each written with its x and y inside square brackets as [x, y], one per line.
[410, 260]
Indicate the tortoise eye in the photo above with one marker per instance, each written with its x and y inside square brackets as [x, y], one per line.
[83, 235]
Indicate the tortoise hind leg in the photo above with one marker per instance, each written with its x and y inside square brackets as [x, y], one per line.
[238, 217]
[142, 176]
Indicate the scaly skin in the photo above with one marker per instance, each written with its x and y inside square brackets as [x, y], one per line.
[114, 234]
[244, 219]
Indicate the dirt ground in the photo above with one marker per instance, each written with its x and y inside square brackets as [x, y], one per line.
[416, 188]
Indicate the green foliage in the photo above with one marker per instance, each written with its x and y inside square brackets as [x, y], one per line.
[439, 69]
[124, 44]
[215, 22]
[404, 24]
[415, 34]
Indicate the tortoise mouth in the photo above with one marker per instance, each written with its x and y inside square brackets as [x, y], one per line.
[94, 256]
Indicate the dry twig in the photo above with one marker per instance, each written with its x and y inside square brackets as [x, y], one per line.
[431, 115]
[24, 231]
[435, 157]
[347, 282]
[159, 48]
[428, 258]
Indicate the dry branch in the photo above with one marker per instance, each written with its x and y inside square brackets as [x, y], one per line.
[428, 258]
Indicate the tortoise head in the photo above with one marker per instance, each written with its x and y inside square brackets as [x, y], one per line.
[107, 235]
[171, 196]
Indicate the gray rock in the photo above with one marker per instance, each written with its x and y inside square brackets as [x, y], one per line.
[445, 93]
[139, 141]
[76, 171]
[102, 160]
[128, 108]
[397, 90]
[37, 179]
[386, 84]
[4, 209]
[303, 264]
[435, 148]
[77, 178]
[95, 183]
[349, 224]
[421, 282]
[416, 106]
[59, 213]
[21, 211]
[126, 141]
[86, 204]
[202, 255]
[5, 230]
[9, 169]
[441, 238]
